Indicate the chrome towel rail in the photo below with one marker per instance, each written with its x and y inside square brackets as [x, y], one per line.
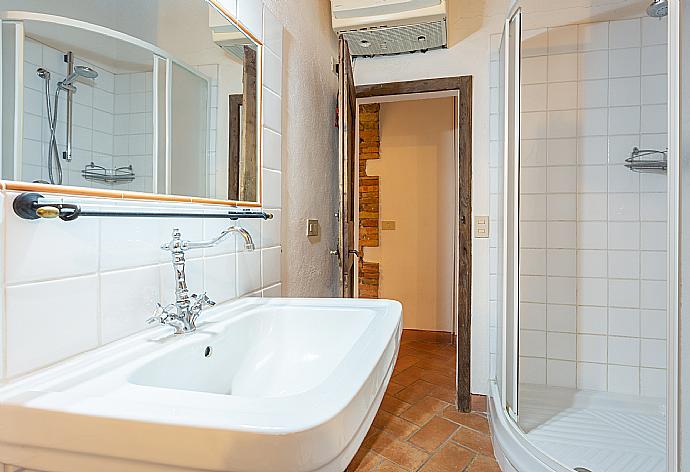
[32, 206]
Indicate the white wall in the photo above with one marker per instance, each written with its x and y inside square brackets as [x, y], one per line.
[68, 287]
[417, 181]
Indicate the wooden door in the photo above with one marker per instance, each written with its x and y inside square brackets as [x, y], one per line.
[347, 116]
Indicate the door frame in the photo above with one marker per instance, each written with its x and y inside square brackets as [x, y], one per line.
[461, 87]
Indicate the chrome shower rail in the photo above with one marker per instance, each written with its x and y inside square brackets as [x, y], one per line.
[28, 207]
[647, 160]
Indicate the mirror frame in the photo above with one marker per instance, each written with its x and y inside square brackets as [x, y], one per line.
[12, 185]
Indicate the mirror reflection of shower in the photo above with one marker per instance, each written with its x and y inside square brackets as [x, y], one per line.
[68, 86]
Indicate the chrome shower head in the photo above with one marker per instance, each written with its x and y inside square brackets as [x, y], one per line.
[658, 9]
[42, 73]
[79, 71]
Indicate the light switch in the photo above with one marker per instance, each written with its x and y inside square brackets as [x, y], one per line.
[481, 226]
[387, 225]
[312, 227]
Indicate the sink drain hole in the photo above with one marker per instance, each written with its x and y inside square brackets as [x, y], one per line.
[208, 351]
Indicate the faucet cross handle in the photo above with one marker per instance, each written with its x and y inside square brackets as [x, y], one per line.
[201, 301]
[162, 314]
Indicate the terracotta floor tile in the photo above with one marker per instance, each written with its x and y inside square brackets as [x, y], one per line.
[414, 392]
[394, 425]
[394, 387]
[436, 365]
[388, 466]
[471, 420]
[478, 403]
[448, 395]
[399, 452]
[483, 464]
[474, 440]
[438, 378]
[365, 460]
[450, 458]
[422, 411]
[434, 433]
[393, 405]
[408, 376]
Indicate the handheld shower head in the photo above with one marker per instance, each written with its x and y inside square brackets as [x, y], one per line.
[79, 71]
[658, 9]
[42, 73]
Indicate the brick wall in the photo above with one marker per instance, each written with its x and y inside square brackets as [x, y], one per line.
[369, 142]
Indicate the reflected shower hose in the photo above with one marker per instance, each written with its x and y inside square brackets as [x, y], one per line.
[54, 165]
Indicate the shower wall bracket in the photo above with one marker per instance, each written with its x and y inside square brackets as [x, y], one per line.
[34, 206]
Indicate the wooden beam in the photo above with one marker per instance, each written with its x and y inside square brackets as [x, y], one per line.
[415, 86]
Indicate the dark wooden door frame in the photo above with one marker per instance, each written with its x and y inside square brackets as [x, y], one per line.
[463, 86]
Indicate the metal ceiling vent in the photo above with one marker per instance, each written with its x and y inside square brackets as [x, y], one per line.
[381, 27]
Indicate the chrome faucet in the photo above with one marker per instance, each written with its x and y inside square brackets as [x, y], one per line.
[182, 314]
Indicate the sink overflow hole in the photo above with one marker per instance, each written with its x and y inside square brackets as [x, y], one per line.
[208, 351]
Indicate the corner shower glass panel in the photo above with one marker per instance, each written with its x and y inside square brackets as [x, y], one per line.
[592, 241]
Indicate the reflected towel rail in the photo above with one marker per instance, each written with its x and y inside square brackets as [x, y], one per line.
[32, 206]
[647, 160]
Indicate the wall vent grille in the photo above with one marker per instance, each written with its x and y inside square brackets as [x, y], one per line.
[385, 40]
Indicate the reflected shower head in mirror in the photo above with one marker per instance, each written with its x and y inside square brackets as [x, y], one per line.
[658, 9]
[79, 71]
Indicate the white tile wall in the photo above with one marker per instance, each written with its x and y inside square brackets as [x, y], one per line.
[592, 233]
[115, 266]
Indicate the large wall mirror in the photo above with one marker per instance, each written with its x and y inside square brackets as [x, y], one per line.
[157, 96]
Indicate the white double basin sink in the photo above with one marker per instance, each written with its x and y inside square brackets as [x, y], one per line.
[262, 385]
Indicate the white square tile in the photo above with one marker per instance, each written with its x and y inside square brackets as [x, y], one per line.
[270, 230]
[272, 111]
[561, 318]
[592, 206]
[593, 93]
[654, 60]
[272, 190]
[591, 376]
[654, 31]
[654, 89]
[532, 289]
[272, 150]
[621, 146]
[34, 323]
[563, 67]
[532, 370]
[591, 348]
[532, 207]
[532, 343]
[591, 263]
[533, 125]
[624, 34]
[561, 262]
[624, 206]
[533, 316]
[653, 265]
[561, 235]
[592, 150]
[623, 379]
[562, 152]
[653, 353]
[248, 272]
[592, 122]
[653, 236]
[220, 277]
[624, 264]
[562, 39]
[532, 180]
[561, 290]
[271, 266]
[534, 70]
[273, 71]
[621, 180]
[653, 206]
[273, 32]
[624, 322]
[593, 36]
[653, 294]
[533, 97]
[534, 42]
[128, 298]
[653, 323]
[561, 179]
[276, 291]
[624, 62]
[624, 120]
[624, 235]
[533, 234]
[593, 65]
[561, 373]
[131, 242]
[591, 320]
[591, 235]
[532, 261]
[624, 91]
[624, 351]
[654, 118]
[653, 383]
[561, 346]
[624, 293]
[561, 207]
[591, 291]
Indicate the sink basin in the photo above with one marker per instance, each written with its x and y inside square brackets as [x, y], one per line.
[262, 385]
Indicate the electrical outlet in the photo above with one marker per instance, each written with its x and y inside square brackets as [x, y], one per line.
[388, 225]
[312, 228]
[481, 226]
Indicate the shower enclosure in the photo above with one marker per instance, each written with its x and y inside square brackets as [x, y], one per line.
[580, 173]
